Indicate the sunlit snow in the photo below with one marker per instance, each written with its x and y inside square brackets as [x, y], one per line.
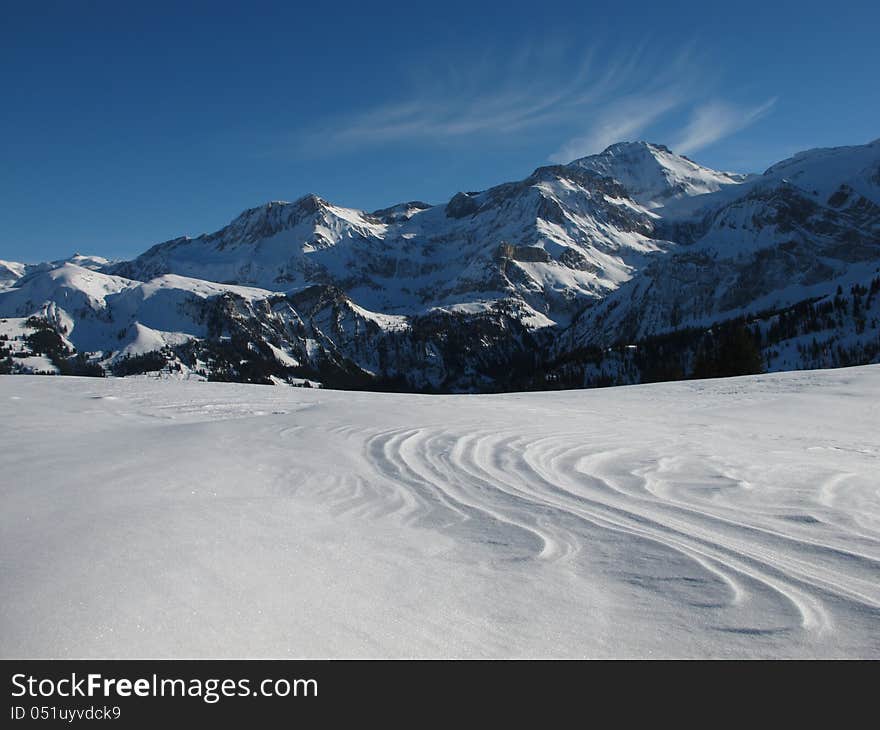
[736, 517]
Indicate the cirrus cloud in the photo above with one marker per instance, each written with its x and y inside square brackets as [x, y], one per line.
[590, 98]
[712, 122]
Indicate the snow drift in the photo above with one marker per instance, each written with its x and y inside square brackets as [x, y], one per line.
[718, 518]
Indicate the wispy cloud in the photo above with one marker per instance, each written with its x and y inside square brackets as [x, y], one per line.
[620, 120]
[712, 122]
[590, 99]
[535, 88]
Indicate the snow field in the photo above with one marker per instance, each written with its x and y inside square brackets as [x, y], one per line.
[728, 518]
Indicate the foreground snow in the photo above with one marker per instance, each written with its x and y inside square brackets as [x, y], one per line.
[716, 518]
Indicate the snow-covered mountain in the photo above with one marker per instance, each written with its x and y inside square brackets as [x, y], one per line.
[10, 272]
[807, 230]
[655, 176]
[549, 241]
[507, 287]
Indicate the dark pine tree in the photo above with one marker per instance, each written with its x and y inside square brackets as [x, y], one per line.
[732, 351]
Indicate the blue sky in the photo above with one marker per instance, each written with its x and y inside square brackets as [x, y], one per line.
[123, 124]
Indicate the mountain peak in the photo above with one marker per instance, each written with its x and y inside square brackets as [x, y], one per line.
[400, 212]
[821, 170]
[654, 175]
[635, 146]
[311, 202]
[264, 219]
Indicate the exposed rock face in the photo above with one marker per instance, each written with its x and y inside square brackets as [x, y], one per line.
[461, 205]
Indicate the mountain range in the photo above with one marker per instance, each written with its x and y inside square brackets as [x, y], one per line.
[632, 265]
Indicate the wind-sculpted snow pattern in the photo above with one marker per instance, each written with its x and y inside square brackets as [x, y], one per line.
[716, 518]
